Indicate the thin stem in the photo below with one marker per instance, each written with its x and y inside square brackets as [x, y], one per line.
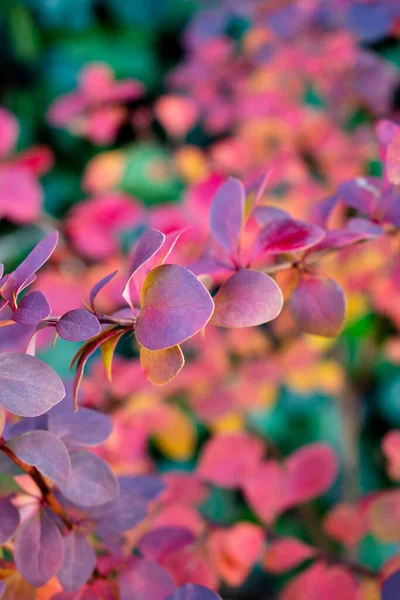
[48, 496]
[329, 557]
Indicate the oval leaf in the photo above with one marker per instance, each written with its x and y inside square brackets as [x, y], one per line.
[78, 325]
[79, 562]
[86, 427]
[192, 591]
[246, 299]
[286, 554]
[33, 308]
[26, 270]
[44, 451]
[160, 366]
[39, 549]
[92, 482]
[28, 387]
[227, 214]
[144, 580]
[318, 306]
[175, 306]
[287, 235]
[9, 520]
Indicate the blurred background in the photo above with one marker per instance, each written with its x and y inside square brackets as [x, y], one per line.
[123, 114]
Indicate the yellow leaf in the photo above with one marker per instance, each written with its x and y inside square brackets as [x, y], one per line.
[160, 366]
[107, 352]
[177, 438]
[16, 588]
[229, 423]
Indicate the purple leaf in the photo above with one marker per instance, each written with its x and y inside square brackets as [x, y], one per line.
[144, 580]
[99, 286]
[359, 194]
[44, 451]
[28, 387]
[160, 542]
[318, 306]
[34, 307]
[148, 244]
[227, 214]
[265, 214]
[175, 306]
[323, 209]
[79, 561]
[91, 483]
[391, 587]
[26, 270]
[287, 235]
[365, 227]
[87, 427]
[78, 325]
[246, 299]
[337, 239]
[39, 549]
[131, 506]
[193, 591]
[9, 520]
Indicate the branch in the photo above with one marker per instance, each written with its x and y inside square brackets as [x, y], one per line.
[48, 495]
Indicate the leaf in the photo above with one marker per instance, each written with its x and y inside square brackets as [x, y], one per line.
[226, 459]
[16, 588]
[28, 387]
[391, 586]
[263, 489]
[286, 554]
[87, 427]
[393, 159]
[346, 524]
[39, 255]
[78, 325]
[310, 472]
[107, 351]
[227, 214]
[9, 520]
[84, 353]
[92, 481]
[161, 366]
[45, 451]
[34, 307]
[131, 505]
[193, 591]
[266, 214]
[159, 542]
[176, 438]
[148, 244]
[39, 549]
[79, 561]
[318, 306]
[2, 420]
[175, 306]
[98, 287]
[144, 580]
[359, 194]
[246, 299]
[286, 235]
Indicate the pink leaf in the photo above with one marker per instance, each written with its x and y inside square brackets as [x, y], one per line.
[175, 306]
[287, 235]
[310, 472]
[226, 459]
[318, 306]
[285, 554]
[264, 491]
[144, 580]
[227, 214]
[346, 524]
[393, 159]
[246, 299]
